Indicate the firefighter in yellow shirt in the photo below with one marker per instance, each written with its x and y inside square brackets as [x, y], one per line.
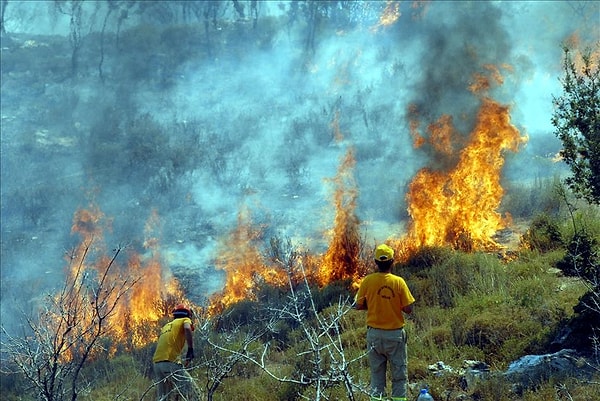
[386, 298]
[172, 376]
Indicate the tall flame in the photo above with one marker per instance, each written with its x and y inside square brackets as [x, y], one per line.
[342, 259]
[459, 207]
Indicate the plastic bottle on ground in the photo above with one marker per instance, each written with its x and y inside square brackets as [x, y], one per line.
[425, 396]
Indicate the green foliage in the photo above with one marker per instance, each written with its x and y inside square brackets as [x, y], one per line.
[242, 313]
[258, 388]
[425, 257]
[576, 118]
[494, 389]
[474, 306]
[331, 294]
[582, 258]
[543, 235]
[453, 274]
[14, 386]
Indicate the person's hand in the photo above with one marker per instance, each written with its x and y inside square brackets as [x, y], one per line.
[189, 354]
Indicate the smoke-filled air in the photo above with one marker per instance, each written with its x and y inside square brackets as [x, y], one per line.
[196, 137]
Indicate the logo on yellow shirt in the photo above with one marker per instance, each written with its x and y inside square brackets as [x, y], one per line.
[386, 292]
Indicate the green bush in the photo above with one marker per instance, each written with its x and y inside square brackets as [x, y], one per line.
[543, 235]
[426, 257]
[582, 258]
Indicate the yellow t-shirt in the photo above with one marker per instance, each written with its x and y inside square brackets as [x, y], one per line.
[385, 295]
[171, 340]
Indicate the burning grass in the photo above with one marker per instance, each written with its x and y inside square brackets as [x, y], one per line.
[455, 207]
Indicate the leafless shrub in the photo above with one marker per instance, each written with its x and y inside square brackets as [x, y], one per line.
[325, 364]
[67, 331]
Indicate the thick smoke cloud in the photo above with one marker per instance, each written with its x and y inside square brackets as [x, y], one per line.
[457, 45]
[261, 127]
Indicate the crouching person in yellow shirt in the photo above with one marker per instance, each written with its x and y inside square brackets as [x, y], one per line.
[173, 378]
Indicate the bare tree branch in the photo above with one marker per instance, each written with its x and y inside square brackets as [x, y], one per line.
[54, 345]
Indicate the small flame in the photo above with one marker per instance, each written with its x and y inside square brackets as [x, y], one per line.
[483, 81]
[239, 256]
[390, 14]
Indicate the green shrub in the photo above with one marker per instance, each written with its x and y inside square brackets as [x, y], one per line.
[493, 389]
[120, 375]
[505, 327]
[242, 313]
[532, 263]
[332, 294]
[456, 274]
[425, 257]
[543, 234]
[582, 258]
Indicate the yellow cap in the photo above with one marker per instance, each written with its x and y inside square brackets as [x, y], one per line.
[383, 253]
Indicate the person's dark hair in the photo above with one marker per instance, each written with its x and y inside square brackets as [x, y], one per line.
[181, 313]
[182, 310]
[384, 265]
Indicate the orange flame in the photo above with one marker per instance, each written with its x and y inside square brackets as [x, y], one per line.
[239, 256]
[146, 302]
[391, 13]
[483, 82]
[459, 207]
[342, 259]
[442, 136]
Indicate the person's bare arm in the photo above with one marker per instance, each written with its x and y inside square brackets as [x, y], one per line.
[187, 328]
[360, 304]
[407, 309]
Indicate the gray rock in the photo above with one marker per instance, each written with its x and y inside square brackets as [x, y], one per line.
[530, 370]
[473, 372]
